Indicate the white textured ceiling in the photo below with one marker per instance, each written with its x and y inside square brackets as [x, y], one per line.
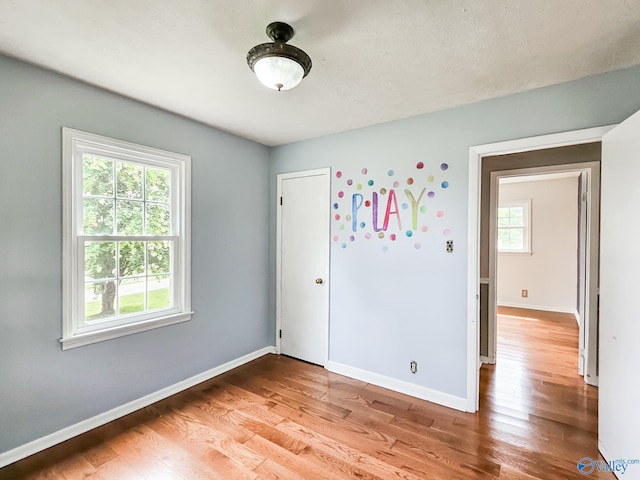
[373, 60]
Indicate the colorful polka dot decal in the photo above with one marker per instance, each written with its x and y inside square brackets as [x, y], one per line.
[392, 208]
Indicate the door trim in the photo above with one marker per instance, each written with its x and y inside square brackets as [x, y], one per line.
[476, 154]
[326, 171]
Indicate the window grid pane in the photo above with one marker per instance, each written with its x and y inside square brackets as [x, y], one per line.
[130, 214]
[97, 176]
[158, 219]
[157, 185]
[132, 296]
[129, 181]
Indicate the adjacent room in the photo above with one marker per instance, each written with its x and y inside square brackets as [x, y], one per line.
[253, 239]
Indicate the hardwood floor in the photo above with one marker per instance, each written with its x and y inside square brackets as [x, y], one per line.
[281, 418]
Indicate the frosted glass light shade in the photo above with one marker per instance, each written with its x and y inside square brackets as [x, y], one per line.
[278, 65]
[278, 73]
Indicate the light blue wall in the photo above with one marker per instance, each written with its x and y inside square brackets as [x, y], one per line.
[388, 308]
[42, 388]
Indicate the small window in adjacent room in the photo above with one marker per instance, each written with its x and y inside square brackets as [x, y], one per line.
[514, 227]
[126, 245]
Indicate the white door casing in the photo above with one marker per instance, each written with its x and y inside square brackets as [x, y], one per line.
[583, 183]
[302, 306]
[619, 388]
[476, 153]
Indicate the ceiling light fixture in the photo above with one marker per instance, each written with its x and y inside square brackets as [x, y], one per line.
[277, 65]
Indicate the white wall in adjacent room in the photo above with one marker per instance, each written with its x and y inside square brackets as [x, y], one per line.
[549, 273]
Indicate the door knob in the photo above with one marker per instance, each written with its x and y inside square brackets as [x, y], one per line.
[319, 281]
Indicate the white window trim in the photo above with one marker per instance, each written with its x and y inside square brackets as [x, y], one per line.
[75, 142]
[526, 204]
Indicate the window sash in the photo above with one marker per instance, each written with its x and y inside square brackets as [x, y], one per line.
[84, 325]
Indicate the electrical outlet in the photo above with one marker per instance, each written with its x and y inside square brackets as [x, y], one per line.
[525, 293]
[449, 246]
[414, 366]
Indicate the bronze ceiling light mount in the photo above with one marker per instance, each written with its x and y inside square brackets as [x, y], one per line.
[278, 65]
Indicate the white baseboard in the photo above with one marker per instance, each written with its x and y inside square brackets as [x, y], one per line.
[538, 307]
[424, 393]
[60, 436]
[606, 455]
[484, 360]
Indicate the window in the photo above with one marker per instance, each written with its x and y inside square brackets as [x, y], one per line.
[514, 227]
[126, 239]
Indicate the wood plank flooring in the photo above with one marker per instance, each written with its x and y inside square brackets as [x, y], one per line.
[279, 418]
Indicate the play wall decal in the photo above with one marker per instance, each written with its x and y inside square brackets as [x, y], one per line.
[389, 207]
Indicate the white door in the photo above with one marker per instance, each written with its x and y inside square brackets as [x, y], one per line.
[303, 264]
[619, 362]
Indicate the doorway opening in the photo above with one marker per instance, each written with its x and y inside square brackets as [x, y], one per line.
[542, 243]
[539, 233]
[578, 150]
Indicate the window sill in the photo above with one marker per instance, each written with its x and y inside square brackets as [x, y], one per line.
[120, 331]
[529, 253]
